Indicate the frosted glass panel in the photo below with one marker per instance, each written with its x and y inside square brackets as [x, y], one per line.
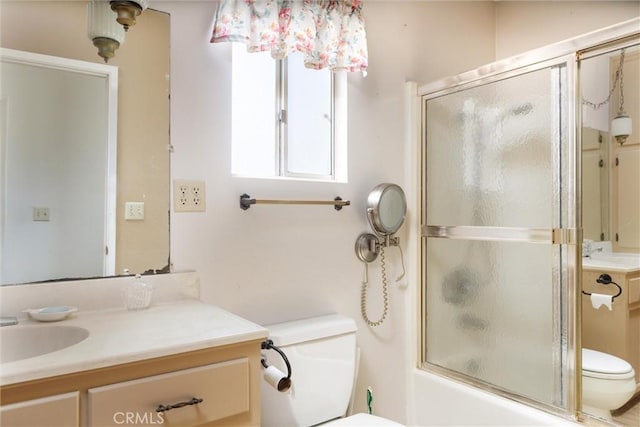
[489, 307]
[494, 308]
[490, 155]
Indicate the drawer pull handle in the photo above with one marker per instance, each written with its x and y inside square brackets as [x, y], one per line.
[165, 408]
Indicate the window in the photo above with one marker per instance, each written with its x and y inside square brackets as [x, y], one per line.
[287, 120]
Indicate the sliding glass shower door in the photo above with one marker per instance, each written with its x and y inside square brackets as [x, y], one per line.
[496, 229]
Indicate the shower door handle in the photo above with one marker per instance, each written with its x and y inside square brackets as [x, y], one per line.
[554, 236]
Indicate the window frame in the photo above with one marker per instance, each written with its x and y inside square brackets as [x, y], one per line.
[276, 165]
[282, 134]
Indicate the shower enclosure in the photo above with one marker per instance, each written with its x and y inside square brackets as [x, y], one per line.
[501, 225]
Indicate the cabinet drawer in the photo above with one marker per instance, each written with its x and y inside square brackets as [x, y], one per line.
[223, 388]
[61, 410]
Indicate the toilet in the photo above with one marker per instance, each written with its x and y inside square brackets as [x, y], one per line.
[322, 354]
[608, 382]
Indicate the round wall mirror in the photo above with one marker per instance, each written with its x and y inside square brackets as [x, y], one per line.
[386, 208]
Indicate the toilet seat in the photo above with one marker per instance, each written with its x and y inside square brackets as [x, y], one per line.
[596, 364]
[362, 420]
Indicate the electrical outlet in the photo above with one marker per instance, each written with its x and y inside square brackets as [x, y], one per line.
[189, 196]
[134, 211]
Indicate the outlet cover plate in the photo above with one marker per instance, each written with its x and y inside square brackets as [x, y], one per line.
[189, 196]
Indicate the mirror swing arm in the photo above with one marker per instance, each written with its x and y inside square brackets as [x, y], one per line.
[368, 246]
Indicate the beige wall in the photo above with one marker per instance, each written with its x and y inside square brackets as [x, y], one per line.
[59, 28]
[526, 25]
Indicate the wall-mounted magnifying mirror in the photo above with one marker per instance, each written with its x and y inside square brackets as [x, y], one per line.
[386, 210]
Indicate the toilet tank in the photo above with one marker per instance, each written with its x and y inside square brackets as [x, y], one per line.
[322, 354]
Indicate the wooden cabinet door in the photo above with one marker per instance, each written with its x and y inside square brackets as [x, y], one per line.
[61, 410]
[627, 217]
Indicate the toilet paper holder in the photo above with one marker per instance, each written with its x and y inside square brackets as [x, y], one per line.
[277, 378]
[605, 279]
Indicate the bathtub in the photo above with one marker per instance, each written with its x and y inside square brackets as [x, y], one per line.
[438, 401]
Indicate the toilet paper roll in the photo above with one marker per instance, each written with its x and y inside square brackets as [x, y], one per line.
[598, 300]
[277, 379]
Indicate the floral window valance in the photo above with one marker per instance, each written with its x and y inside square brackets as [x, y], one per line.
[330, 34]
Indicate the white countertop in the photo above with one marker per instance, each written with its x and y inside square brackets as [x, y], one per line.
[119, 336]
[614, 262]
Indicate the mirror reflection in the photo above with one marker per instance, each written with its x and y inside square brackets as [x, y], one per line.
[58, 173]
[610, 84]
[610, 188]
[142, 161]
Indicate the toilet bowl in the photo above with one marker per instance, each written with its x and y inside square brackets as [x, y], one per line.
[322, 355]
[608, 382]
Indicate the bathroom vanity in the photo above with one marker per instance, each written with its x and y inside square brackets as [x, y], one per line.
[176, 363]
[617, 331]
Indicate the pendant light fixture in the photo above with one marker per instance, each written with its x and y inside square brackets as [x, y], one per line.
[621, 124]
[127, 11]
[103, 30]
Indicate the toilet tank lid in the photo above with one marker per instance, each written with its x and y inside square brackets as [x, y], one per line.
[596, 361]
[298, 331]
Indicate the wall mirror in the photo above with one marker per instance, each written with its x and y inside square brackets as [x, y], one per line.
[609, 82]
[611, 205]
[141, 171]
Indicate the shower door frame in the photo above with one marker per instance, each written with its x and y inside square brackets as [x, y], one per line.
[564, 231]
[570, 235]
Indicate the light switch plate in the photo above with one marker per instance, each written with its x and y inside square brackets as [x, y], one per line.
[134, 211]
[41, 214]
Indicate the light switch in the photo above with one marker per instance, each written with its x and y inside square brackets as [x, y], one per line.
[41, 214]
[134, 211]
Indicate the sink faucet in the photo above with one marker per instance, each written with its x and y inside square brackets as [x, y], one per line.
[588, 248]
[8, 320]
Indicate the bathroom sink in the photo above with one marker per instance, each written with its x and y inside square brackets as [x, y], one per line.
[615, 260]
[23, 342]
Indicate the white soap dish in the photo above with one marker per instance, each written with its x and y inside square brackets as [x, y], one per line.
[50, 314]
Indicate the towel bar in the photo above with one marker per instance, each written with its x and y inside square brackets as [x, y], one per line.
[246, 201]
